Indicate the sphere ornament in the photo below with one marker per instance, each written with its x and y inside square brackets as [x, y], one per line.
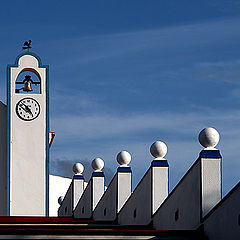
[209, 137]
[124, 158]
[97, 164]
[60, 200]
[78, 168]
[158, 149]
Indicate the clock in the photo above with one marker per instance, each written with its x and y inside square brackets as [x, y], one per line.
[28, 109]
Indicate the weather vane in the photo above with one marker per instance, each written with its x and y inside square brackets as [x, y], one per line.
[27, 45]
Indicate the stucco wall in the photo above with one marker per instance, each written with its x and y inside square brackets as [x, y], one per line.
[78, 188]
[224, 221]
[106, 208]
[115, 196]
[83, 208]
[181, 209]
[211, 184]
[194, 196]
[137, 209]
[160, 186]
[72, 196]
[66, 207]
[146, 198]
[3, 159]
[124, 188]
[58, 186]
[90, 197]
[28, 147]
[98, 190]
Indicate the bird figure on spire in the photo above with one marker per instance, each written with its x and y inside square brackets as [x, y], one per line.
[27, 45]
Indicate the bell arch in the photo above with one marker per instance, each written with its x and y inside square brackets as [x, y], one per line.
[28, 81]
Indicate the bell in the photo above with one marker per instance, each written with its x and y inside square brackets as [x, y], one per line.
[27, 87]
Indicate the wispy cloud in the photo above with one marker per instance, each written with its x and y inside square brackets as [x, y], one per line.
[63, 167]
[226, 71]
[105, 135]
[166, 41]
[104, 125]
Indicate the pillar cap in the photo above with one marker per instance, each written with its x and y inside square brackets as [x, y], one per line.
[97, 164]
[60, 200]
[158, 150]
[78, 168]
[209, 138]
[124, 158]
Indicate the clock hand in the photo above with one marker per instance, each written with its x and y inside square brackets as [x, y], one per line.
[27, 109]
[22, 107]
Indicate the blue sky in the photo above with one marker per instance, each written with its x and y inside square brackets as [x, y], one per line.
[124, 74]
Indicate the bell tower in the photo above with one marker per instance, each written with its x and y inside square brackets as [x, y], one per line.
[27, 137]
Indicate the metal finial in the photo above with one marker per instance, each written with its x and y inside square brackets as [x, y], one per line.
[27, 45]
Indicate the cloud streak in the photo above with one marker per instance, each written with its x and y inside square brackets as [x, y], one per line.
[105, 135]
[105, 125]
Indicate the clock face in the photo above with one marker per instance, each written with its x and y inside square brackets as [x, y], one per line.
[28, 109]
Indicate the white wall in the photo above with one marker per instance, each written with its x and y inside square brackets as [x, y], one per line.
[224, 222]
[90, 197]
[72, 196]
[183, 201]
[98, 189]
[139, 202]
[106, 208]
[58, 186]
[195, 195]
[66, 207]
[114, 197]
[78, 188]
[160, 185]
[124, 188]
[28, 144]
[3, 159]
[211, 184]
[84, 205]
[146, 198]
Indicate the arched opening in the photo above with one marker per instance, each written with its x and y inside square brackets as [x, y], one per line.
[28, 81]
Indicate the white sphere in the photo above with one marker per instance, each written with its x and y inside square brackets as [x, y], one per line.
[124, 158]
[209, 137]
[97, 164]
[158, 149]
[60, 199]
[78, 168]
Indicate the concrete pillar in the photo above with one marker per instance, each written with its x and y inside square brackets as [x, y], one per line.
[92, 193]
[210, 162]
[97, 188]
[150, 192]
[160, 183]
[197, 192]
[78, 188]
[117, 192]
[124, 185]
[73, 194]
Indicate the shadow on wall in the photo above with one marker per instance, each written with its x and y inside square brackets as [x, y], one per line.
[63, 167]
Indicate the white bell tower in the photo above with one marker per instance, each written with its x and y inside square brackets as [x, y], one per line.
[27, 137]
